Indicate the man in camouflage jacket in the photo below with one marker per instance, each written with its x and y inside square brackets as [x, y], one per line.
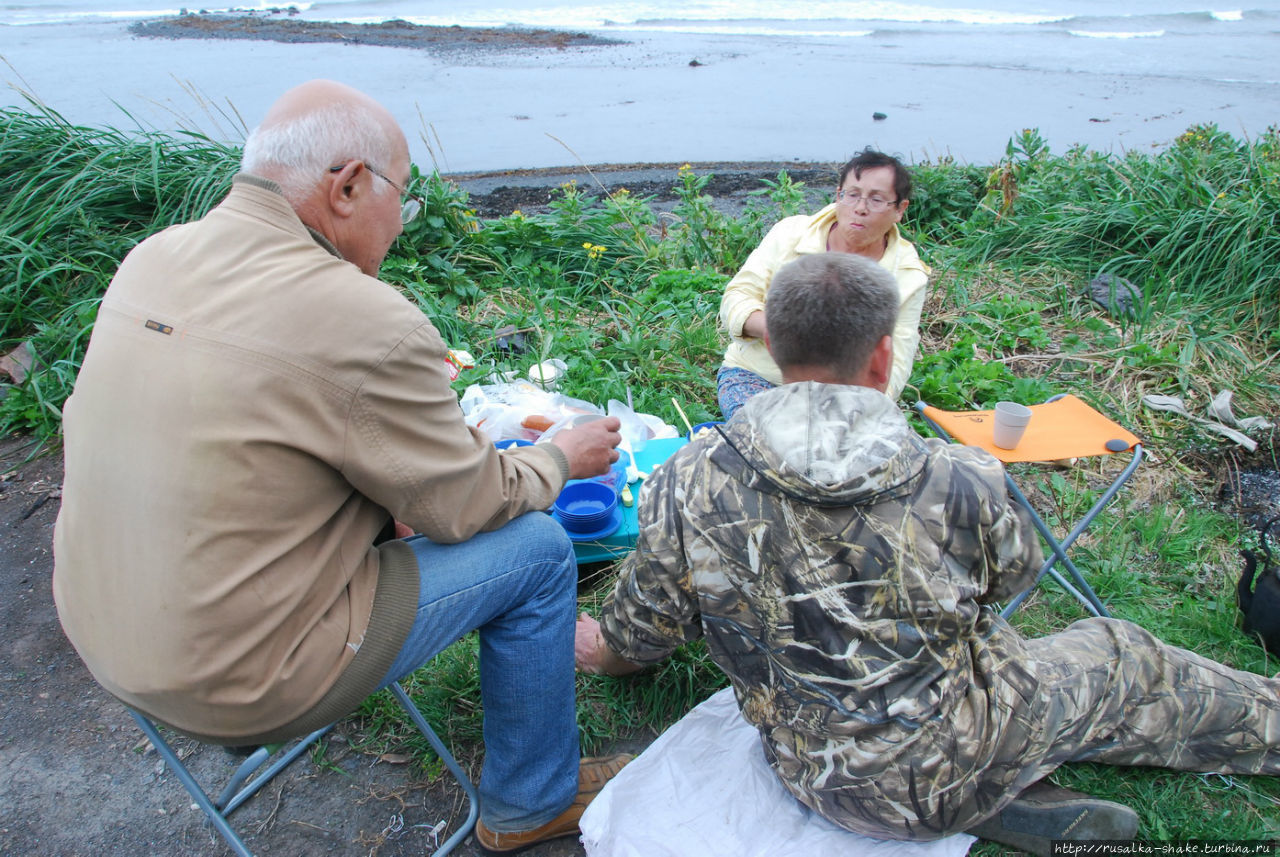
[841, 568]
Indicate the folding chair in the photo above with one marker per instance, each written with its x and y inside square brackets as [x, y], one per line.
[241, 787]
[1063, 427]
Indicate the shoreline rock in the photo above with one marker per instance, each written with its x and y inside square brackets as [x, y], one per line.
[498, 193]
[271, 26]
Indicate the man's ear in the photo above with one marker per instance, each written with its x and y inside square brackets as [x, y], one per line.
[880, 365]
[344, 187]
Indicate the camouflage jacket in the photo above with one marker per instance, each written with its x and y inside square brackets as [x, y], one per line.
[838, 565]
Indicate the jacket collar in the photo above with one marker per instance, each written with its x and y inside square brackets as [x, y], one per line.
[248, 180]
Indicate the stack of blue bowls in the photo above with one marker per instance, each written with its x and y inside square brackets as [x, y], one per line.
[587, 508]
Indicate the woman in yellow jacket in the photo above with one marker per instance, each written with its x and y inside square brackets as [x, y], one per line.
[871, 196]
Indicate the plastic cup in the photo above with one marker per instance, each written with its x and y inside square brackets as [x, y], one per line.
[1011, 421]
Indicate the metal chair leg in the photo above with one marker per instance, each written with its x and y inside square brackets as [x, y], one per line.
[473, 797]
[243, 784]
[189, 783]
[1085, 594]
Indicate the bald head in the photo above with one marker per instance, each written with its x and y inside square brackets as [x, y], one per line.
[315, 126]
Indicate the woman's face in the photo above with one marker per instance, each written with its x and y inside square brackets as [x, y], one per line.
[862, 228]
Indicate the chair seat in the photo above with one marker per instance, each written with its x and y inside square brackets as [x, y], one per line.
[1066, 427]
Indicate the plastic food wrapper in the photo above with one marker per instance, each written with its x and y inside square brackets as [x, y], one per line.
[704, 789]
[455, 360]
[521, 410]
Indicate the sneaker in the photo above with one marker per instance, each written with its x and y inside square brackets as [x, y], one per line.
[592, 776]
[1044, 814]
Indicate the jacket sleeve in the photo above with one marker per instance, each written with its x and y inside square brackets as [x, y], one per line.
[744, 294]
[409, 449]
[653, 608]
[906, 331]
[1013, 552]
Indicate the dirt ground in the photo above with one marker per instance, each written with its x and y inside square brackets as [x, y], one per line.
[78, 778]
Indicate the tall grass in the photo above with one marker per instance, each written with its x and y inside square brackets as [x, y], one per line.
[630, 299]
[73, 201]
[1198, 222]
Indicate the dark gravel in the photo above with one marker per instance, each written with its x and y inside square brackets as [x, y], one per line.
[282, 26]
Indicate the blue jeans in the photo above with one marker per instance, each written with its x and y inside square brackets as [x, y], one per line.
[518, 586]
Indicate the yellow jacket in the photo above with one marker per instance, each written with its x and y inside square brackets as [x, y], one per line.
[797, 236]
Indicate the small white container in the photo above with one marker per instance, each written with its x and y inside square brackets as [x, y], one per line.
[548, 373]
[1009, 424]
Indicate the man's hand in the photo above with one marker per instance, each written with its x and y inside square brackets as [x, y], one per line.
[590, 447]
[592, 654]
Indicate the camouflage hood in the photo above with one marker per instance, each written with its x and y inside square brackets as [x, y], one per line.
[822, 444]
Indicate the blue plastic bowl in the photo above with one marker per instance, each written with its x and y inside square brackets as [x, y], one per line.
[585, 506]
[507, 444]
[693, 432]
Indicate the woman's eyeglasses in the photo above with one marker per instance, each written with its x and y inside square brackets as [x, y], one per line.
[874, 203]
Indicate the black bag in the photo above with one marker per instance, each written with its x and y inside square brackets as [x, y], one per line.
[1260, 604]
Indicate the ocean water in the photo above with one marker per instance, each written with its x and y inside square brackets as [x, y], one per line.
[1197, 39]
[1087, 19]
[794, 79]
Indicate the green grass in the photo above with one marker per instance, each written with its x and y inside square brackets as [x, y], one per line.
[630, 299]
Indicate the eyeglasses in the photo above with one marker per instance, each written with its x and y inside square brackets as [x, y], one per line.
[874, 203]
[409, 207]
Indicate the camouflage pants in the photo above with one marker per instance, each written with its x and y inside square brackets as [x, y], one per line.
[1103, 690]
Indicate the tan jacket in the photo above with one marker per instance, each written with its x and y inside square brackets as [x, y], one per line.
[798, 236]
[251, 412]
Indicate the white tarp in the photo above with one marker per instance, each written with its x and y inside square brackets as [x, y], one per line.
[704, 789]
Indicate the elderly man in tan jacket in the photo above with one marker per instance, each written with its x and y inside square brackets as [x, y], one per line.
[254, 411]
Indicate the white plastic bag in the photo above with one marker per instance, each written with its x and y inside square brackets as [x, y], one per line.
[704, 789]
[501, 410]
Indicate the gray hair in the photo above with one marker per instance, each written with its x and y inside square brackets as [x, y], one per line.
[297, 152]
[830, 309]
